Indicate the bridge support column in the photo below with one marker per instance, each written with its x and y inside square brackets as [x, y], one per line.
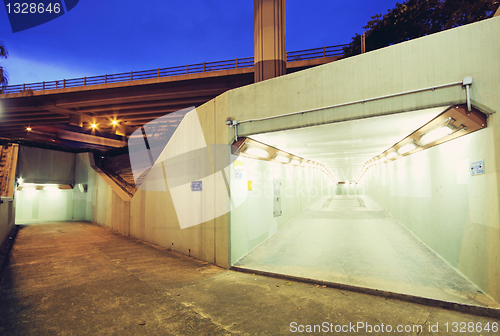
[269, 39]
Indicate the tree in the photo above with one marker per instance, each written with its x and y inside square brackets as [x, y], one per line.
[4, 78]
[417, 18]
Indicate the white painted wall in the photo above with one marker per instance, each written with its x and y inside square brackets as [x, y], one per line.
[43, 206]
[434, 195]
[252, 222]
[82, 201]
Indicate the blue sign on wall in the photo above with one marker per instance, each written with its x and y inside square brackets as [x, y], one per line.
[196, 185]
[477, 167]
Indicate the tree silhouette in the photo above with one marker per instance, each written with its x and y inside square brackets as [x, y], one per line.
[4, 78]
[417, 18]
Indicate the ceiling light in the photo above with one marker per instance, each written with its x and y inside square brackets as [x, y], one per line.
[295, 162]
[51, 188]
[93, 125]
[28, 129]
[435, 134]
[442, 130]
[114, 122]
[281, 158]
[259, 152]
[391, 155]
[407, 148]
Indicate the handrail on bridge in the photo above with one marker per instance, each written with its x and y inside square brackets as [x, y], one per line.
[237, 63]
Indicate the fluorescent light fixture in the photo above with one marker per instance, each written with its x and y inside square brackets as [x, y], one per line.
[407, 148]
[259, 152]
[281, 158]
[295, 162]
[435, 134]
[392, 155]
[20, 181]
[51, 188]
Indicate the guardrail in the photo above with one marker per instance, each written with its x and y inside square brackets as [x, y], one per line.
[246, 62]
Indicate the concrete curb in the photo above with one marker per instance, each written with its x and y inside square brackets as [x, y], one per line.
[464, 308]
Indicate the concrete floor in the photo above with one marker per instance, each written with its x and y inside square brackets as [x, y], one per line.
[82, 279]
[352, 240]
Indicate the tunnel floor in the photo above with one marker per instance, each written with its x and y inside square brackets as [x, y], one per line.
[354, 241]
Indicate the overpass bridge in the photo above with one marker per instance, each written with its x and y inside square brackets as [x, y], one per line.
[119, 103]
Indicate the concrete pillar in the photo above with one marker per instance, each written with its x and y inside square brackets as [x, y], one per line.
[269, 39]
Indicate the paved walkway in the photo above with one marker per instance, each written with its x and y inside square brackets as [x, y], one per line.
[82, 279]
[352, 240]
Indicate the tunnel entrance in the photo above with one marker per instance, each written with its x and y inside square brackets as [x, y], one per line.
[398, 226]
[51, 185]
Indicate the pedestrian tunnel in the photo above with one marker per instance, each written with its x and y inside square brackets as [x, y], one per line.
[395, 203]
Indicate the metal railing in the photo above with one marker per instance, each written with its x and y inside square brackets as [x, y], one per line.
[237, 63]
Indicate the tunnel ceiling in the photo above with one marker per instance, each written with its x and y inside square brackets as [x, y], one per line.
[344, 147]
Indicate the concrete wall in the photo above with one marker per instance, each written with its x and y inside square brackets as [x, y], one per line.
[472, 231]
[252, 221]
[38, 165]
[434, 195]
[82, 201]
[441, 58]
[154, 214]
[7, 211]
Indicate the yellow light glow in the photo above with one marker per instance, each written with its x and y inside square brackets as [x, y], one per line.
[391, 155]
[28, 129]
[93, 125]
[282, 158]
[257, 152]
[114, 122]
[51, 188]
[407, 148]
[435, 134]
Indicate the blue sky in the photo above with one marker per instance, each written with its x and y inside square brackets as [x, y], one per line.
[108, 36]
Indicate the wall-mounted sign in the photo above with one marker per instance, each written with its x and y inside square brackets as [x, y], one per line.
[239, 167]
[477, 168]
[196, 185]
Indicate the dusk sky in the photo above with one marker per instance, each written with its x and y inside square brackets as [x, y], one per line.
[103, 37]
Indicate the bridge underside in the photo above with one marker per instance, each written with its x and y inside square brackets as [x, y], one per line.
[65, 115]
